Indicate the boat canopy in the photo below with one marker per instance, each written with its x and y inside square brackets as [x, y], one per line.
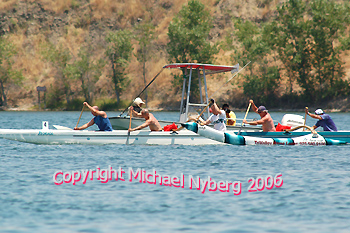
[206, 67]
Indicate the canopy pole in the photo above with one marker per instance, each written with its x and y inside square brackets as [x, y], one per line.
[200, 86]
[188, 92]
[183, 94]
[206, 90]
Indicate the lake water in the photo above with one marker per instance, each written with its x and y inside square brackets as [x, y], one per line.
[314, 196]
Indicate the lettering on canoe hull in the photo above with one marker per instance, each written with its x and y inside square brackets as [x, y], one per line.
[263, 143]
[44, 133]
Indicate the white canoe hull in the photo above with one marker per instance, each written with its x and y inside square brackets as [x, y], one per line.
[183, 137]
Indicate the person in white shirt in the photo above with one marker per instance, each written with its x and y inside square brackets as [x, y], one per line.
[218, 118]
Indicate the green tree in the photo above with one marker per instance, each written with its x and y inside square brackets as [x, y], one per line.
[263, 80]
[145, 35]
[189, 35]
[87, 70]
[189, 38]
[59, 56]
[252, 46]
[8, 75]
[118, 51]
[263, 86]
[328, 30]
[309, 38]
[289, 36]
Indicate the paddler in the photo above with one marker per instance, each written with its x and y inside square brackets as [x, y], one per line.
[100, 119]
[324, 120]
[230, 115]
[266, 119]
[138, 102]
[151, 121]
[218, 118]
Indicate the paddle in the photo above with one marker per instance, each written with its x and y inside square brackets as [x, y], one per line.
[143, 90]
[305, 117]
[81, 113]
[127, 139]
[245, 117]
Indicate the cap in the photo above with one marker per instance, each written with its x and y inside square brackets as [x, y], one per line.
[319, 111]
[138, 101]
[262, 109]
[225, 106]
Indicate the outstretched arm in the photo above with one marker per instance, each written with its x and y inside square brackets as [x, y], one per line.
[144, 125]
[207, 122]
[258, 122]
[90, 123]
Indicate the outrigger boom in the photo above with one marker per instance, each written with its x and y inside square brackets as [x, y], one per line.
[312, 139]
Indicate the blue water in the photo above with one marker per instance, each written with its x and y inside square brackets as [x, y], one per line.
[314, 197]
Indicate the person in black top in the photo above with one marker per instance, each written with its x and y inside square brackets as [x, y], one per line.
[138, 104]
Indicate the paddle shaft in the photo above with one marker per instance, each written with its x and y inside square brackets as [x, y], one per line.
[143, 90]
[81, 113]
[305, 118]
[130, 119]
[245, 117]
[127, 138]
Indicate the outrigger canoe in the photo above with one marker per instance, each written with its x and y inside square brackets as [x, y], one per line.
[231, 138]
[195, 135]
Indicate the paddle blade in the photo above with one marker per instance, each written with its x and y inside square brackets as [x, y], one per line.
[127, 139]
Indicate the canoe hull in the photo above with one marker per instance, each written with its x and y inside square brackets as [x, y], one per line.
[35, 136]
[340, 135]
[231, 138]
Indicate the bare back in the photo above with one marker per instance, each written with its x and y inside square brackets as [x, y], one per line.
[267, 123]
[153, 123]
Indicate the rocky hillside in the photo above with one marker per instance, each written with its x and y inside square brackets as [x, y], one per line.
[29, 23]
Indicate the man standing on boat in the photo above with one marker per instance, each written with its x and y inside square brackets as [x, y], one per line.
[218, 118]
[266, 119]
[230, 115]
[324, 120]
[100, 119]
[151, 121]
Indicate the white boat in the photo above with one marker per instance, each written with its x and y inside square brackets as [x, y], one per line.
[48, 136]
[186, 107]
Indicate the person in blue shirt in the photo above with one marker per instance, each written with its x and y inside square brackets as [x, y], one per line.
[100, 119]
[324, 120]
